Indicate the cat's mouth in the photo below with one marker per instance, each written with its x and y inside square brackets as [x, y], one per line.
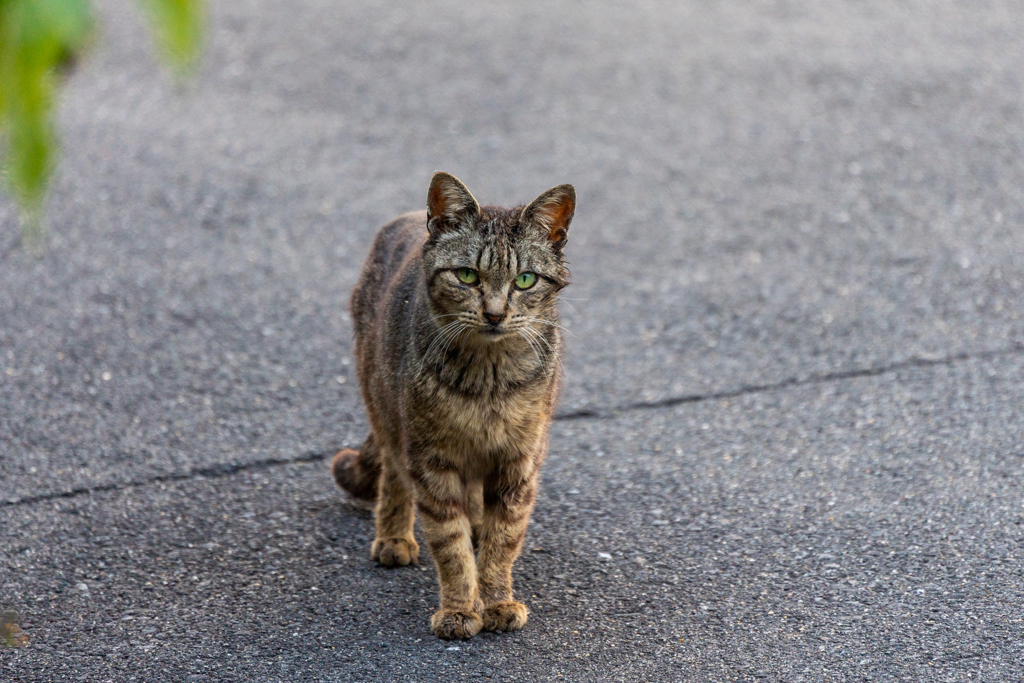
[492, 331]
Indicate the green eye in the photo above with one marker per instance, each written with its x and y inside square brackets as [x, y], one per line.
[467, 275]
[525, 280]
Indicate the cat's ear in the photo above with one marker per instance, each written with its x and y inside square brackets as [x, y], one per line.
[449, 203]
[551, 213]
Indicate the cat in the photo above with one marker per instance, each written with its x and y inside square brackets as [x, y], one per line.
[458, 350]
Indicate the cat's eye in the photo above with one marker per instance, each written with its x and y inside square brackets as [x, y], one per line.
[525, 280]
[467, 275]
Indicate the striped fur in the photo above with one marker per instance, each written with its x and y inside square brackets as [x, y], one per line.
[459, 405]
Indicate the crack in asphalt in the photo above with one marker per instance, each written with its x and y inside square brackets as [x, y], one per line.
[209, 472]
[822, 378]
[229, 469]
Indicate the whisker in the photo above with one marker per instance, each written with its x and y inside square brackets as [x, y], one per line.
[439, 333]
[458, 333]
[442, 327]
[533, 348]
[572, 307]
[549, 322]
[540, 337]
[454, 332]
[436, 339]
[536, 338]
[537, 335]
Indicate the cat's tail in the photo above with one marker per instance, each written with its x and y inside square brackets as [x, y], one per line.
[358, 471]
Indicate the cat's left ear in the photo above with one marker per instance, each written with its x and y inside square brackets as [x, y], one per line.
[449, 203]
[551, 213]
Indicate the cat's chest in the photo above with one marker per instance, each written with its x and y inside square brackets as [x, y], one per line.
[510, 422]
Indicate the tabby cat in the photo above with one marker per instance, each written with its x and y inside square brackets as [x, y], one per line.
[458, 354]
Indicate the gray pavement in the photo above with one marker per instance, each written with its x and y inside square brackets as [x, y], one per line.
[789, 445]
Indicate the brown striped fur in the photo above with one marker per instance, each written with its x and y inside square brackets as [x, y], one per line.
[459, 381]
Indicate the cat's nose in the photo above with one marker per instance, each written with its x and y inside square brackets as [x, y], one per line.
[494, 318]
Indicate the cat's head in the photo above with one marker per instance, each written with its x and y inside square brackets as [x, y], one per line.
[496, 271]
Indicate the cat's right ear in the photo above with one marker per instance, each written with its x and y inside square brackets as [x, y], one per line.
[551, 213]
[449, 203]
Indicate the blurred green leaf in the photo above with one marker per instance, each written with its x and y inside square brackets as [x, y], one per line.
[36, 38]
[179, 26]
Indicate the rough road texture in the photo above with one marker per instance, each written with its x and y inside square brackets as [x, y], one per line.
[790, 445]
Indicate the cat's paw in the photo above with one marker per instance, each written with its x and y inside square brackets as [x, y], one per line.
[505, 616]
[452, 625]
[395, 552]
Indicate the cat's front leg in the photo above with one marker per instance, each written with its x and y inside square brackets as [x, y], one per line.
[441, 498]
[508, 502]
[475, 506]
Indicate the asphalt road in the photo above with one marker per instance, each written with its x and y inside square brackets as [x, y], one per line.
[790, 440]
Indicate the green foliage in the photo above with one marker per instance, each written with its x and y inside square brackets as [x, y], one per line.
[37, 37]
[178, 25]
